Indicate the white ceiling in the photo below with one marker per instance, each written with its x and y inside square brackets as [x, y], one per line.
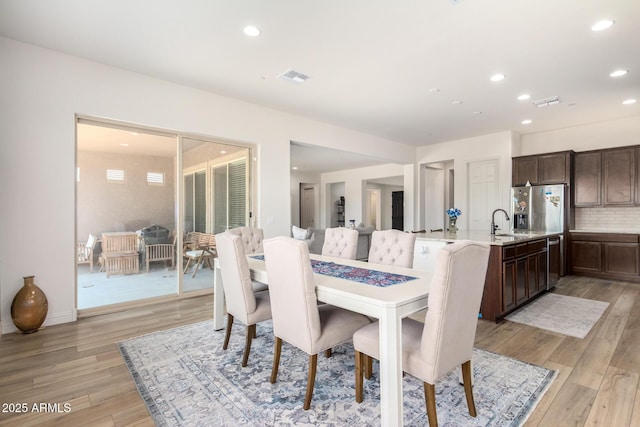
[371, 63]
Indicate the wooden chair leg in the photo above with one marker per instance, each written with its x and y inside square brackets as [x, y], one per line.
[430, 398]
[311, 380]
[227, 335]
[186, 267]
[359, 378]
[255, 333]
[368, 366]
[468, 388]
[277, 349]
[327, 353]
[251, 331]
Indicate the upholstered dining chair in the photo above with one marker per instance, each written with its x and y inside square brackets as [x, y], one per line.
[445, 339]
[340, 242]
[392, 247]
[297, 317]
[242, 302]
[252, 238]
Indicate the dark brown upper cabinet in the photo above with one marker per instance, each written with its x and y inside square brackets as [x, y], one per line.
[551, 168]
[587, 179]
[619, 177]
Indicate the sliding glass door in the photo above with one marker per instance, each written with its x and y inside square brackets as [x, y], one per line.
[230, 198]
[134, 185]
[216, 198]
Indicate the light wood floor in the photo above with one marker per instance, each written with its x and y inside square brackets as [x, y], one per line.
[79, 364]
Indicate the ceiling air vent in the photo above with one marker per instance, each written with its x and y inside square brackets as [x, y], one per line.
[293, 76]
[546, 101]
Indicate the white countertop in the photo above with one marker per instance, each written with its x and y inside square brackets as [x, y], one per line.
[481, 236]
[606, 230]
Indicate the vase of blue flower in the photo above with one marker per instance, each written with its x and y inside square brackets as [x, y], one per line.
[453, 214]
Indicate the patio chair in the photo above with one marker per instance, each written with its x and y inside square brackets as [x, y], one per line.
[202, 250]
[161, 252]
[85, 252]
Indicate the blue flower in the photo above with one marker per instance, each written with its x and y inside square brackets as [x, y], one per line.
[454, 213]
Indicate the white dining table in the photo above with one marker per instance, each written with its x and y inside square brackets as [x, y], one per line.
[389, 304]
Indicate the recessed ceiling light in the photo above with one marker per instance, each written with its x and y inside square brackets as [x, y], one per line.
[124, 144]
[526, 122]
[497, 77]
[251, 31]
[434, 90]
[602, 25]
[456, 102]
[135, 133]
[629, 101]
[295, 168]
[477, 113]
[524, 97]
[223, 151]
[618, 73]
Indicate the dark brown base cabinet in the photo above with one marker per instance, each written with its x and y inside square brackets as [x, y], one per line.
[606, 255]
[517, 273]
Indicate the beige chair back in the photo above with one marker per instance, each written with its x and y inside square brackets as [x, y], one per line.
[454, 301]
[252, 238]
[294, 307]
[236, 277]
[392, 247]
[340, 242]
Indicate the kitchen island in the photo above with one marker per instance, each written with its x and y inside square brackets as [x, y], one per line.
[522, 266]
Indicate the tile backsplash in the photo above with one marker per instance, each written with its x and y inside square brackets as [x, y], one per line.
[623, 218]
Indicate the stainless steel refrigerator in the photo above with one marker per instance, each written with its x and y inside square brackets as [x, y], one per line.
[542, 208]
[538, 208]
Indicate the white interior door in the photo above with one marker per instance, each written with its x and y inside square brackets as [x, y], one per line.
[482, 193]
[308, 207]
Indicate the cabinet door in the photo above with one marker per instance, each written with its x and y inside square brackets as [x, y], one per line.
[522, 277]
[621, 258]
[586, 257]
[554, 168]
[619, 177]
[554, 261]
[542, 271]
[587, 179]
[532, 276]
[524, 169]
[508, 285]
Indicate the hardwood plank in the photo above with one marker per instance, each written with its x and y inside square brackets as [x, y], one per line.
[570, 407]
[614, 402]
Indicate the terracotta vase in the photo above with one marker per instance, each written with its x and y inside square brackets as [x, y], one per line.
[29, 307]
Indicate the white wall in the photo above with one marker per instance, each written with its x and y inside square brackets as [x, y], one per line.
[612, 133]
[494, 146]
[43, 90]
[355, 190]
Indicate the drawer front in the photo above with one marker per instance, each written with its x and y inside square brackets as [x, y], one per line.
[605, 237]
[537, 246]
[508, 252]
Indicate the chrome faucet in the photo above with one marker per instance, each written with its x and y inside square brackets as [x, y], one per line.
[494, 227]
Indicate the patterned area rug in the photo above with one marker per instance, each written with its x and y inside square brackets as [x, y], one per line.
[186, 379]
[561, 313]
